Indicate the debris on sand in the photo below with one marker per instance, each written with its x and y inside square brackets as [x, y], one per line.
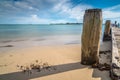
[36, 66]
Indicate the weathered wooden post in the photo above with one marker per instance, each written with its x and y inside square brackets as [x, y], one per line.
[107, 27]
[107, 35]
[92, 25]
[115, 24]
[118, 25]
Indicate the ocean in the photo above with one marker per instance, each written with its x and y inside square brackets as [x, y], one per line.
[27, 35]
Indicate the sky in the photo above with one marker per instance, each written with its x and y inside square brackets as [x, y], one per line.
[54, 11]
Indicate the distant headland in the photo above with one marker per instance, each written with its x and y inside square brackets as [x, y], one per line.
[65, 23]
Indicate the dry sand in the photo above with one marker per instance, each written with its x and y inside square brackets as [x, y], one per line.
[66, 58]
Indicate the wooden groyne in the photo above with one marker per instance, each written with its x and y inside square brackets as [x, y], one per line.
[90, 46]
[115, 60]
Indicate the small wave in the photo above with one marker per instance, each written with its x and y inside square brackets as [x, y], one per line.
[19, 40]
[6, 41]
[72, 43]
[39, 40]
[6, 46]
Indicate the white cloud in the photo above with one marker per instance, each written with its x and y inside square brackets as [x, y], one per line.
[66, 9]
[56, 11]
[111, 13]
[113, 7]
[62, 8]
[34, 16]
[78, 11]
[25, 6]
[34, 19]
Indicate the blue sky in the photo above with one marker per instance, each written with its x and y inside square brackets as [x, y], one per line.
[54, 11]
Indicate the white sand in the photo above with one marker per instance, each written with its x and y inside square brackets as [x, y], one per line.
[65, 57]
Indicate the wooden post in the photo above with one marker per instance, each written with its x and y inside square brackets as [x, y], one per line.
[115, 23]
[92, 25]
[107, 27]
[107, 36]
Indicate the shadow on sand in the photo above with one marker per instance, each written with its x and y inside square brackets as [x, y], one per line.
[60, 68]
[103, 75]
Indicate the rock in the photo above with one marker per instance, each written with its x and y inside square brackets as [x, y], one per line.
[114, 65]
[116, 72]
[104, 66]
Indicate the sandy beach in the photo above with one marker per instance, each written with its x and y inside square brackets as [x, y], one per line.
[59, 40]
[66, 59]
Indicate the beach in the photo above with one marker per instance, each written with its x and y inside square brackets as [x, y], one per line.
[66, 58]
[59, 46]
[59, 40]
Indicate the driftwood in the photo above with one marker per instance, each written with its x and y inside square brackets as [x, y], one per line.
[91, 36]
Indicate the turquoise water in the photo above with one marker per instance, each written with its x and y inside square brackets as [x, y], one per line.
[35, 35]
[31, 31]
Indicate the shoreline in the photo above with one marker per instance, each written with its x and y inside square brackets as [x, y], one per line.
[11, 44]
